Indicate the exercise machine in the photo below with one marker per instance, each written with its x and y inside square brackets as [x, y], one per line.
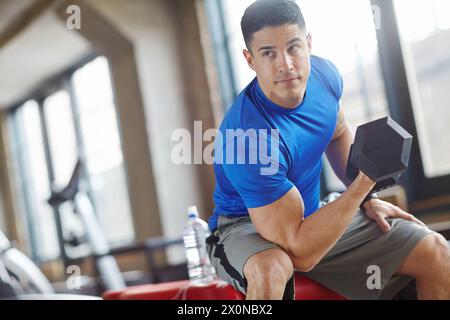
[77, 196]
[18, 274]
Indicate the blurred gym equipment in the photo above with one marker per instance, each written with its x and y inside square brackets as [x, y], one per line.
[19, 272]
[105, 263]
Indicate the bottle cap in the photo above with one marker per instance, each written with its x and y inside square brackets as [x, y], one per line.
[192, 212]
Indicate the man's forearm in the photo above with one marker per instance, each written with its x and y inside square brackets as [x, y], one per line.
[317, 234]
[337, 153]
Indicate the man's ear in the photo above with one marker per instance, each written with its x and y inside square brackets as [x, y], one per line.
[309, 42]
[248, 56]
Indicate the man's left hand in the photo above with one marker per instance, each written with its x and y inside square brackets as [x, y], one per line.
[378, 210]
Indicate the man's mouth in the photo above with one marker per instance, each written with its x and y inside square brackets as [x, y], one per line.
[288, 80]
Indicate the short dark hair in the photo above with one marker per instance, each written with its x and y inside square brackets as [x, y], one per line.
[269, 13]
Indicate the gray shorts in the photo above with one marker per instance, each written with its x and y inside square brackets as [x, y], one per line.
[345, 269]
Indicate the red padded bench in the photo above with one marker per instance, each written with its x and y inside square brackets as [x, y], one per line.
[305, 289]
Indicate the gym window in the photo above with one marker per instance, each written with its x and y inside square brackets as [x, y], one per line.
[425, 43]
[72, 116]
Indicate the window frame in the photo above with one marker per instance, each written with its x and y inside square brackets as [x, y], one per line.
[62, 81]
[400, 101]
[219, 35]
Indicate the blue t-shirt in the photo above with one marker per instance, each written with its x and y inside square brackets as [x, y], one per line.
[283, 147]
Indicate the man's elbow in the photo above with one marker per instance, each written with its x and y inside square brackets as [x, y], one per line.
[305, 264]
[303, 258]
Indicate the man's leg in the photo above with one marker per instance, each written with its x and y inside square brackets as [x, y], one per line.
[429, 264]
[267, 273]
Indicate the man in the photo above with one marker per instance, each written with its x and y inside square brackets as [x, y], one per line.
[267, 224]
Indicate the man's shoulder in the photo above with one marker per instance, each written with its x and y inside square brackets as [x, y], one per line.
[324, 66]
[243, 112]
[328, 73]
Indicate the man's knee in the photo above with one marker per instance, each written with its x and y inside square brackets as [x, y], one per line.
[430, 254]
[269, 267]
[437, 249]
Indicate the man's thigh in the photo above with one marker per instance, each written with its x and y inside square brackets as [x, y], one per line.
[232, 245]
[418, 262]
[364, 251]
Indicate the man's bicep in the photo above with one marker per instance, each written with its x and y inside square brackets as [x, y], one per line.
[340, 124]
[278, 222]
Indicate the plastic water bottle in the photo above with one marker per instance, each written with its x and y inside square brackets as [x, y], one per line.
[195, 233]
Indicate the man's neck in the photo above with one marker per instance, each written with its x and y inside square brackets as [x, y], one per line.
[287, 103]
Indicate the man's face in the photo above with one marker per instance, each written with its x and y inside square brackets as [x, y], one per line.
[281, 59]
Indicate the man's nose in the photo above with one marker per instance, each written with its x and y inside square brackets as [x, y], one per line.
[285, 63]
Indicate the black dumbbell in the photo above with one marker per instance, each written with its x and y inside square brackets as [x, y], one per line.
[381, 150]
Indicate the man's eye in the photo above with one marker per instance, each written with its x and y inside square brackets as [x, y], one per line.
[294, 48]
[267, 54]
